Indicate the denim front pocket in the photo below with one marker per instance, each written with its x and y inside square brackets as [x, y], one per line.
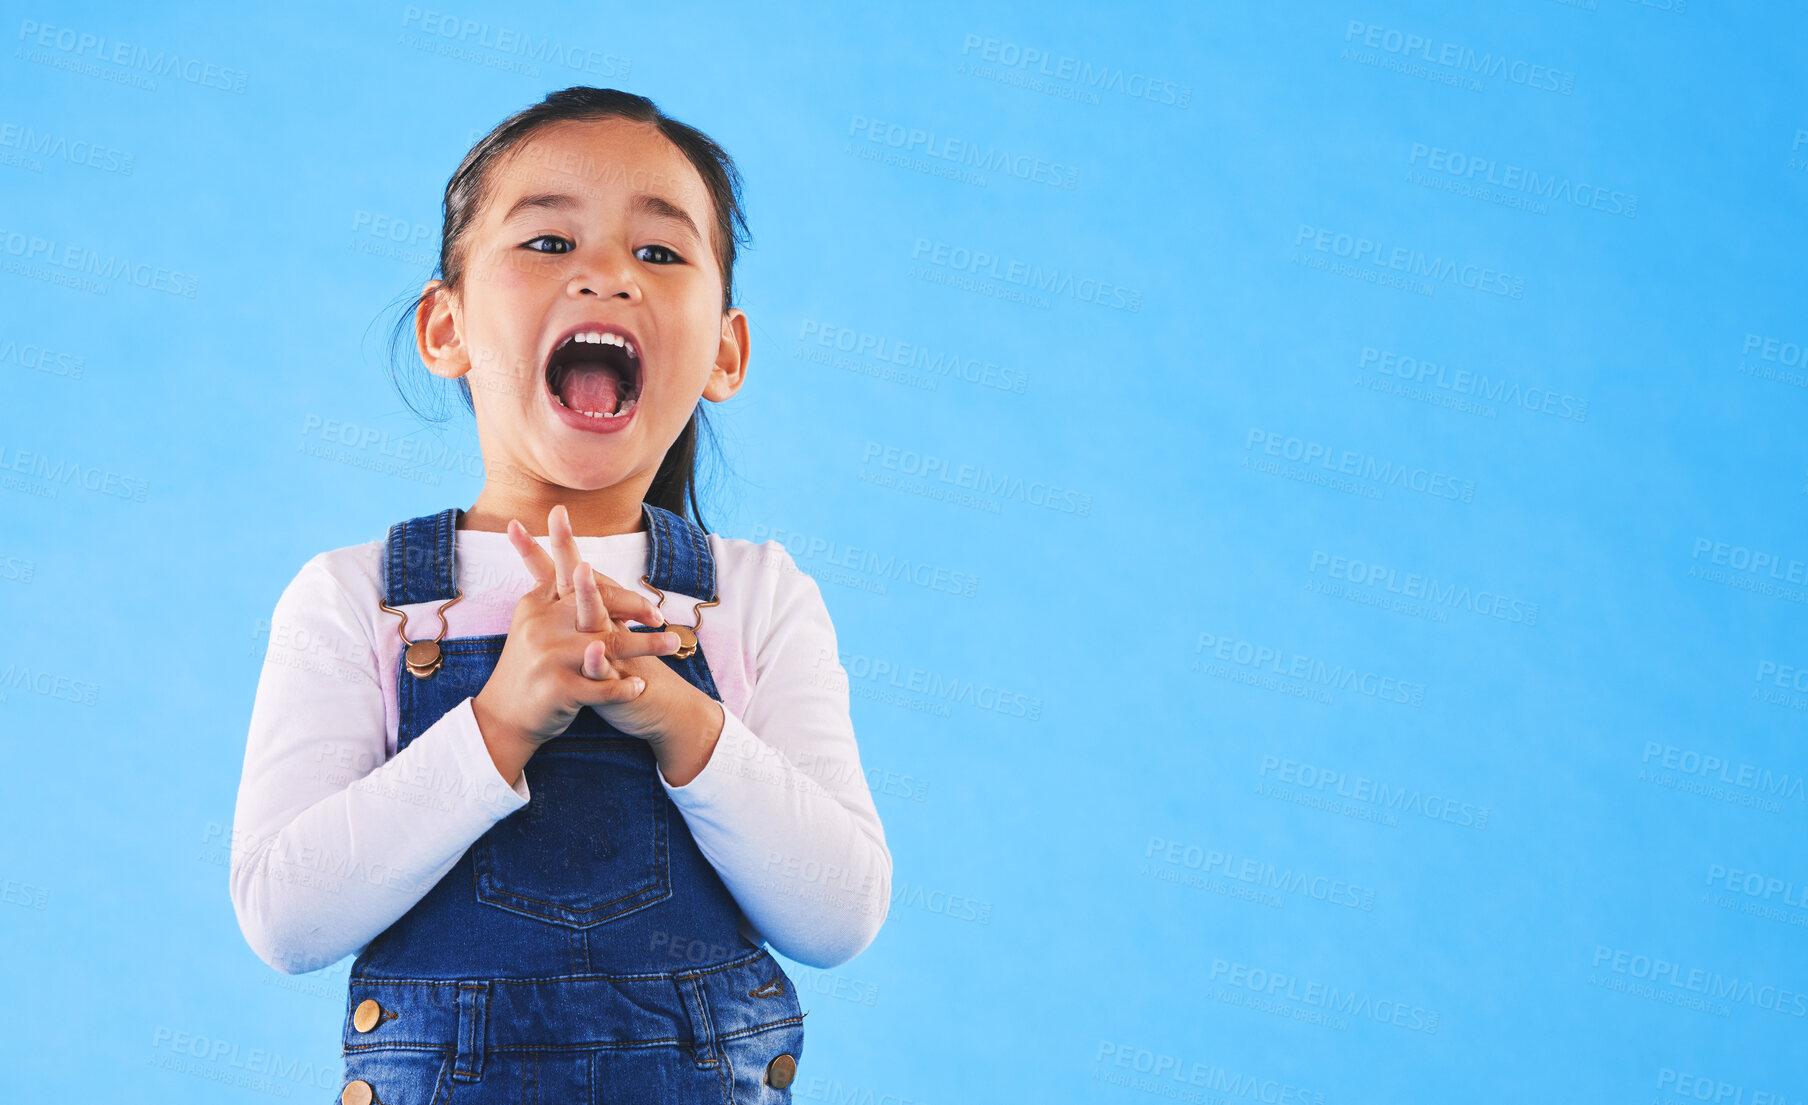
[400, 1076]
[755, 1060]
[593, 842]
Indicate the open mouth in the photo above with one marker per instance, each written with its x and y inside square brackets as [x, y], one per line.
[595, 372]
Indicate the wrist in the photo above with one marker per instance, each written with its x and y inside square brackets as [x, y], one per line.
[509, 748]
[684, 748]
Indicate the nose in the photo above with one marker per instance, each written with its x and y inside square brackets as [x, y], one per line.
[611, 274]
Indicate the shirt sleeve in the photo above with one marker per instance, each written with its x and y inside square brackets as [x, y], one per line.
[332, 839]
[782, 809]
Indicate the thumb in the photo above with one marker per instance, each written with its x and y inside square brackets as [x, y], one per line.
[608, 692]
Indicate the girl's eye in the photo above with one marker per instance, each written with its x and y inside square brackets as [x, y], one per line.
[661, 255]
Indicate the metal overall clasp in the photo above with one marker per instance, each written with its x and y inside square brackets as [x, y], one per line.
[687, 634]
[422, 657]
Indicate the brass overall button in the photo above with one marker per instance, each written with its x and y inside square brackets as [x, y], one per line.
[357, 1092]
[422, 658]
[687, 640]
[367, 1015]
[781, 1071]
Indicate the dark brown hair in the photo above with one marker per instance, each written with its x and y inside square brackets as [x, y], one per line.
[674, 487]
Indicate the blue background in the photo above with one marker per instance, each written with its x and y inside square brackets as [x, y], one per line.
[1094, 903]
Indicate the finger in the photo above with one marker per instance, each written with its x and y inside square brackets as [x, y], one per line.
[596, 662]
[625, 644]
[604, 657]
[593, 616]
[564, 546]
[607, 691]
[539, 565]
[625, 605]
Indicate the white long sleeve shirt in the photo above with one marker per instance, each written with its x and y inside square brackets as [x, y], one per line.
[336, 835]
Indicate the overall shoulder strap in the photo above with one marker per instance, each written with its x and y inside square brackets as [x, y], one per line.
[678, 556]
[417, 559]
[418, 563]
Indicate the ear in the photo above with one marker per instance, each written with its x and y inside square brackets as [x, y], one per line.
[730, 371]
[438, 332]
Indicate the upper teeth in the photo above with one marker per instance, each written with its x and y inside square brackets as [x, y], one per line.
[598, 337]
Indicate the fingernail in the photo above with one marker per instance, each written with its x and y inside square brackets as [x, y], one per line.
[675, 641]
[639, 684]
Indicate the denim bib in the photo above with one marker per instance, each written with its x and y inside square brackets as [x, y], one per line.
[582, 950]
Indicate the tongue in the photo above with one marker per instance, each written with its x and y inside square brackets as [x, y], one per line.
[590, 387]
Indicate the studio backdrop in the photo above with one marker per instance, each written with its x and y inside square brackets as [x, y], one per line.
[1311, 499]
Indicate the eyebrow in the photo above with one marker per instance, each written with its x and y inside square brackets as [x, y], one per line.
[643, 202]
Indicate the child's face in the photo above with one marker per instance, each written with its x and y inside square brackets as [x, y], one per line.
[589, 227]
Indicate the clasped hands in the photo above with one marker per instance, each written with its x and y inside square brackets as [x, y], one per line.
[569, 646]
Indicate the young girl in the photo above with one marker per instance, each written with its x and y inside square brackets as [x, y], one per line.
[558, 842]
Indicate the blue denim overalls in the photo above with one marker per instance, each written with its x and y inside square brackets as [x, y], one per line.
[582, 951]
